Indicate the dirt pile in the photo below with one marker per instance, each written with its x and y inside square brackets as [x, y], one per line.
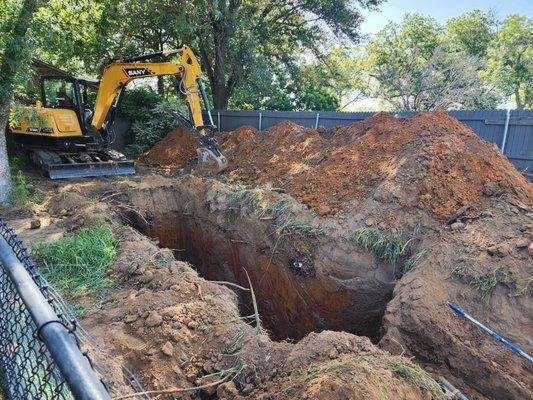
[430, 161]
[177, 149]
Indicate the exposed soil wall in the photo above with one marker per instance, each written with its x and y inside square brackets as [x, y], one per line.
[303, 282]
[426, 183]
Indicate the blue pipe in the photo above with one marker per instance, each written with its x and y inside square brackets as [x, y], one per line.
[495, 335]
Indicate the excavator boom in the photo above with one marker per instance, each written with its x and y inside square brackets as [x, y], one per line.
[188, 75]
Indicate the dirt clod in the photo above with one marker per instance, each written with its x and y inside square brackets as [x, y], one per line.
[154, 319]
[35, 223]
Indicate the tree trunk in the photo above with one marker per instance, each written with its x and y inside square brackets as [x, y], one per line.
[160, 86]
[5, 176]
[11, 61]
[517, 98]
[220, 97]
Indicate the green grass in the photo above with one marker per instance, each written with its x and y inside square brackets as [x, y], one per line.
[394, 248]
[484, 284]
[21, 193]
[312, 372]
[316, 369]
[244, 200]
[287, 223]
[76, 265]
[418, 377]
[249, 202]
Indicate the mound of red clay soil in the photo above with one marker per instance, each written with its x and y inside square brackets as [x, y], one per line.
[177, 149]
[431, 161]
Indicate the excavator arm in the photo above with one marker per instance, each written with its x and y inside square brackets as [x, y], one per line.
[188, 75]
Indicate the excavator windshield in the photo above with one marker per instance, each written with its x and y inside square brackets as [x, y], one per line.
[58, 93]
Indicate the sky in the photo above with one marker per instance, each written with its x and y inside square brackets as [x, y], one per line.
[441, 10]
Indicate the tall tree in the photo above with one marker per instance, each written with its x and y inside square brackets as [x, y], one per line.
[416, 68]
[229, 33]
[325, 83]
[510, 60]
[237, 40]
[472, 33]
[80, 36]
[13, 56]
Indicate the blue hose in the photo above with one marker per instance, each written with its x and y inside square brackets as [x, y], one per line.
[495, 335]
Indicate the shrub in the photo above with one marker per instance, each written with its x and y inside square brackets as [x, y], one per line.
[137, 103]
[150, 116]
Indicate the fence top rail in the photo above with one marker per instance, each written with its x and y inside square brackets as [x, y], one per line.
[470, 115]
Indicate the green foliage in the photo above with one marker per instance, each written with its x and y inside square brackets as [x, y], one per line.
[395, 248]
[138, 103]
[510, 60]
[76, 265]
[314, 84]
[76, 35]
[21, 193]
[420, 66]
[472, 32]
[150, 116]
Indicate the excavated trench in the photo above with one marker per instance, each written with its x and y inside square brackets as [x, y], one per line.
[302, 282]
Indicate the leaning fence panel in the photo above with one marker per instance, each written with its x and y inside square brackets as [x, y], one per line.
[39, 353]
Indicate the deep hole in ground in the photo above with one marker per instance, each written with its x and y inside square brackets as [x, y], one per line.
[295, 295]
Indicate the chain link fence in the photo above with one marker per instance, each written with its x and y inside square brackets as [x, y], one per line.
[29, 367]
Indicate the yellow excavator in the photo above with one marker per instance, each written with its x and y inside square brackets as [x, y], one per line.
[67, 137]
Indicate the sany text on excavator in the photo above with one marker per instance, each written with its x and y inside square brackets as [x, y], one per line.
[67, 137]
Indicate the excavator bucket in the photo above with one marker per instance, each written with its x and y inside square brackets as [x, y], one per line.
[62, 165]
[211, 161]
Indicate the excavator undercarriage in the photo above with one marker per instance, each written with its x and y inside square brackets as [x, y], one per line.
[65, 165]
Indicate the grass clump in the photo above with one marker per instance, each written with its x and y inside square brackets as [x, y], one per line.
[245, 200]
[394, 248]
[76, 265]
[314, 370]
[418, 377]
[484, 284]
[286, 221]
[21, 193]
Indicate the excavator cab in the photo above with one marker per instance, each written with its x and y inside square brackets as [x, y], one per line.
[58, 136]
[77, 94]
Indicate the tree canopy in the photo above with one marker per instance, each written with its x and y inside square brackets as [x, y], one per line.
[299, 54]
[420, 65]
[510, 60]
